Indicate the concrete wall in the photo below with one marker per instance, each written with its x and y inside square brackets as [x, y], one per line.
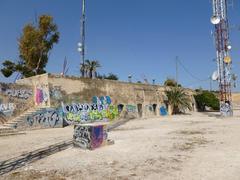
[40, 89]
[14, 100]
[41, 118]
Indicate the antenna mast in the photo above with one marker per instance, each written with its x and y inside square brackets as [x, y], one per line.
[220, 21]
[82, 44]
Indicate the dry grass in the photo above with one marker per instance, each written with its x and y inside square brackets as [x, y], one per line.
[33, 174]
[190, 144]
[189, 132]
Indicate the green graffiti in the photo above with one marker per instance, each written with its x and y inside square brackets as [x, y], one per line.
[74, 117]
[110, 113]
[95, 115]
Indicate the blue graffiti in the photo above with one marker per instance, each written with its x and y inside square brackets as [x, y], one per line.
[163, 111]
[104, 100]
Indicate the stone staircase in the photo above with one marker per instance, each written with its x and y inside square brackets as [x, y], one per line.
[5, 131]
[9, 127]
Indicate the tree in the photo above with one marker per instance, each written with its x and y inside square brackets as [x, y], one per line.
[91, 68]
[171, 82]
[178, 99]
[207, 98]
[35, 44]
[111, 76]
[83, 69]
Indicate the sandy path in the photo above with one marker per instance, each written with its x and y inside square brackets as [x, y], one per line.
[180, 147]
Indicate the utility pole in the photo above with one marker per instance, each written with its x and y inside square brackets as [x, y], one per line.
[177, 69]
[210, 79]
[81, 45]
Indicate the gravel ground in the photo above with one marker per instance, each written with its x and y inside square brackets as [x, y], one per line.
[189, 147]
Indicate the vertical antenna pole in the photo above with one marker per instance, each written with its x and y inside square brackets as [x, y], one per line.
[177, 69]
[83, 20]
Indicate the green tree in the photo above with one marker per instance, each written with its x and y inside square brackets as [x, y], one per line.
[171, 82]
[83, 69]
[178, 99]
[91, 68]
[207, 98]
[111, 76]
[35, 44]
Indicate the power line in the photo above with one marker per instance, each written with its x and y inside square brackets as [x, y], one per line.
[188, 72]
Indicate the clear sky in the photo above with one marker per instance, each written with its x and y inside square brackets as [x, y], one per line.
[138, 37]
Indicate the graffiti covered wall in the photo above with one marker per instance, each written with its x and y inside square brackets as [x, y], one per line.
[42, 95]
[130, 100]
[48, 118]
[90, 136]
[101, 109]
[163, 110]
[14, 100]
[40, 87]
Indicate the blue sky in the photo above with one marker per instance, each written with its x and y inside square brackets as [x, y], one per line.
[135, 37]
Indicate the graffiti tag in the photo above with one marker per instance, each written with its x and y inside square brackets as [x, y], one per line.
[48, 118]
[19, 93]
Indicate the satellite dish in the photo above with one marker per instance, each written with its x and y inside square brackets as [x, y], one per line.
[215, 76]
[215, 20]
[80, 44]
[227, 59]
[229, 47]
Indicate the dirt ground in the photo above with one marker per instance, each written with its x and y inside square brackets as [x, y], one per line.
[185, 147]
[13, 146]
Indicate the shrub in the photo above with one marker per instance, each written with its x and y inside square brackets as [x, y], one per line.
[207, 98]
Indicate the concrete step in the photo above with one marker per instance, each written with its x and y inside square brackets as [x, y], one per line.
[9, 125]
[16, 121]
[8, 131]
[11, 134]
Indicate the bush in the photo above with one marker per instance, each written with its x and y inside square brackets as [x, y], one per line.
[206, 98]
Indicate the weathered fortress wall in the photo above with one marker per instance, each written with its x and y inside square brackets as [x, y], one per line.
[132, 98]
[135, 99]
